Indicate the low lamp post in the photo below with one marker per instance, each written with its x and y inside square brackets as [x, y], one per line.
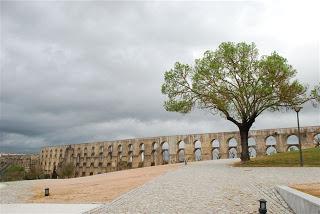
[263, 206]
[297, 109]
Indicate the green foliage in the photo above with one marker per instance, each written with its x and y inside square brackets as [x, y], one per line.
[14, 173]
[310, 156]
[34, 173]
[66, 170]
[316, 94]
[233, 81]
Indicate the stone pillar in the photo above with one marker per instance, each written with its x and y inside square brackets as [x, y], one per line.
[224, 147]
[206, 147]
[261, 147]
[281, 145]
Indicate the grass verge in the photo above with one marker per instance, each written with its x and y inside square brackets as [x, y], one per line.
[286, 159]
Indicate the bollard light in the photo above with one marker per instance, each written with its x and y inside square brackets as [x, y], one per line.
[263, 206]
[46, 192]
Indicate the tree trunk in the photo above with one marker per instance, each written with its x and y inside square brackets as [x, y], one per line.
[244, 132]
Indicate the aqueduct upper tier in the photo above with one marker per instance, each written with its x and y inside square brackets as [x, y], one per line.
[106, 156]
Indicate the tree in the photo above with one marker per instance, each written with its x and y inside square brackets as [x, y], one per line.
[315, 93]
[66, 170]
[14, 173]
[236, 83]
[35, 172]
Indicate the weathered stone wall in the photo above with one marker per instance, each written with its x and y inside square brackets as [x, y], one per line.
[106, 156]
[26, 161]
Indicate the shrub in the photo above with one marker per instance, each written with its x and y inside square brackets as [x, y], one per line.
[66, 170]
[14, 173]
[34, 173]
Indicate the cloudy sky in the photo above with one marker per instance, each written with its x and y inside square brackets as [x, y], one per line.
[74, 72]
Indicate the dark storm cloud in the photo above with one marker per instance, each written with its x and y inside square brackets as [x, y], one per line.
[80, 71]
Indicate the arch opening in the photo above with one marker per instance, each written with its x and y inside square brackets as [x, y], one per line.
[215, 144]
[232, 143]
[293, 140]
[252, 150]
[165, 153]
[271, 150]
[197, 150]
[271, 141]
[293, 148]
[142, 152]
[120, 152]
[181, 151]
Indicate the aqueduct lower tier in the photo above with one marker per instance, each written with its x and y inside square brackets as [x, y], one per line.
[106, 156]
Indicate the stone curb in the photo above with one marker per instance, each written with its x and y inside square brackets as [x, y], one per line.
[298, 201]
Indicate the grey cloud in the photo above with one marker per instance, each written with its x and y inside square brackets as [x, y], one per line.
[80, 71]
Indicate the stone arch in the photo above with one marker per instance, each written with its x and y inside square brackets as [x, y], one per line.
[120, 150]
[271, 144]
[292, 142]
[110, 149]
[271, 141]
[142, 152]
[85, 151]
[232, 144]
[130, 153]
[154, 153]
[316, 140]
[252, 152]
[165, 152]
[101, 149]
[293, 148]
[252, 144]
[197, 150]
[271, 150]
[292, 139]
[181, 151]
[215, 149]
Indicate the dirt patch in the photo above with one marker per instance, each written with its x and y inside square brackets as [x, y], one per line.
[311, 188]
[98, 188]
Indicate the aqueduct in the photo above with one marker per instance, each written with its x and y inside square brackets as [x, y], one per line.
[106, 156]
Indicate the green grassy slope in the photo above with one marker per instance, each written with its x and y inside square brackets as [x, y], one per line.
[286, 159]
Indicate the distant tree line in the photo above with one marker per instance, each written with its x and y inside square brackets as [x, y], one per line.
[16, 172]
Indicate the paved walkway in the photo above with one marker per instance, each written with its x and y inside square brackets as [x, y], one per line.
[15, 191]
[212, 187]
[46, 208]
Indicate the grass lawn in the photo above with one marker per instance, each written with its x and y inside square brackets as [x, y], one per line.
[287, 159]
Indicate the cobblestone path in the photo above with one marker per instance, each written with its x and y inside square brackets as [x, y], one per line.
[212, 187]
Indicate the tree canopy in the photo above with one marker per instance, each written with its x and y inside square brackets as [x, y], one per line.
[315, 93]
[234, 82]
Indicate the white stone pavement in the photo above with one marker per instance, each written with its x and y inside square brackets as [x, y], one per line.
[46, 208]
[12, 194]
[212, 187]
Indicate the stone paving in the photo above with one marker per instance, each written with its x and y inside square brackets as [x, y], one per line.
[212, 187]
[15, 191]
